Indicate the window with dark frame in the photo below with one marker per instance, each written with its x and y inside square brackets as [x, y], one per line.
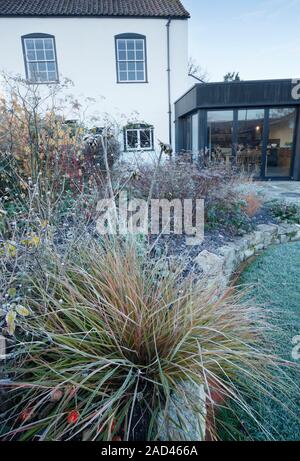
[40, 58]
[131, 58]
[138, 137]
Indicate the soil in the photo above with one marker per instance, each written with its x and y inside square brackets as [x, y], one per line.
[175, 245]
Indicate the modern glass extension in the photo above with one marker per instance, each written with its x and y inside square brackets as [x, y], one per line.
[258, 141]
[227, 127]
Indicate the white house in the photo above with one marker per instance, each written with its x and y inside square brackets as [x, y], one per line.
[130, 55]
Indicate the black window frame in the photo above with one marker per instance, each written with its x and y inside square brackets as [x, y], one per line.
[131, 36]
[265, 138]
[27, 72]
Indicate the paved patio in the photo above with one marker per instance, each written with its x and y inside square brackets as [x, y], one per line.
[288, 191]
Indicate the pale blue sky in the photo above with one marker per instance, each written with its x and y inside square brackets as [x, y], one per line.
[258, 38]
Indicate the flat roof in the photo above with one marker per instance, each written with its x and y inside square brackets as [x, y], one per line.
[249, 93]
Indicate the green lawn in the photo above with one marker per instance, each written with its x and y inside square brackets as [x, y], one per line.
[274, 278]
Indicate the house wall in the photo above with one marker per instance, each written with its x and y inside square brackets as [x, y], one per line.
[86, 55]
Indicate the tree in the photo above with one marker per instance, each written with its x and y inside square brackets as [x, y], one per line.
[232, 77]
[196, 71]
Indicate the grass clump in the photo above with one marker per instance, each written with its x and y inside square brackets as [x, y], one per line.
[112, 336]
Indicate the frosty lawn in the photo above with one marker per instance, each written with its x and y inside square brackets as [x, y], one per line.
[274, 281]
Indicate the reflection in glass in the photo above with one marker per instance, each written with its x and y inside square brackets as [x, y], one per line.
[188, 133]
[250, 140]
[220, 129]
[132, 139]
[280, 144]
[195, 133]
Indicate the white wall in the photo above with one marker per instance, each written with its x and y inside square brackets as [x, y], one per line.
[86, 54]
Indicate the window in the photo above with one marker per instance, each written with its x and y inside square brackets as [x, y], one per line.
[220, 130]
[131, 58]
[250, 140]
[279, 158]
[138, 137]
[195, 133]
[40, 58]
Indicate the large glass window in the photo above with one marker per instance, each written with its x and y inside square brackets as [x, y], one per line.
[280, 143]
[220, 131]
[187, 133]
[40, 58]
[259, 142]
[250, 140]
[131, 58]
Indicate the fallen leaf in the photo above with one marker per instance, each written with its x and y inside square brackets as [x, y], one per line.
[10, 320]
[12, 292]
[23, 311]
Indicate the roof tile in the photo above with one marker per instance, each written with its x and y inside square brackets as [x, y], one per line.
[98, 8]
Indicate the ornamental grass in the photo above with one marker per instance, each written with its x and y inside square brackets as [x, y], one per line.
[113, 336]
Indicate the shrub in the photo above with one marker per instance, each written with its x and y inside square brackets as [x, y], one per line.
[228, 216]
[225, 207]
[177, 180]
[113, 335]
[39, 146]
[289, 213]
[172, 181]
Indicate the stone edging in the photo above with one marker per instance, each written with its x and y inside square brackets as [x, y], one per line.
[221, 265]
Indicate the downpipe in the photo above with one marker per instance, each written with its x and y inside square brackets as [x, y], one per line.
[169, 80]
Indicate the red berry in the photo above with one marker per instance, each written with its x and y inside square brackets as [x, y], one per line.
[72, 417]
[26, 414]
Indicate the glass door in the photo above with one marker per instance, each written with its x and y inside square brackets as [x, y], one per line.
[280, 144]
[250, 140]
[220, 136]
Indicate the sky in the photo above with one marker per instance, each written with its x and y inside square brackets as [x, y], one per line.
[260, 39]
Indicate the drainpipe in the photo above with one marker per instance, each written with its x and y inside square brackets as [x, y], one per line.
[169, 81]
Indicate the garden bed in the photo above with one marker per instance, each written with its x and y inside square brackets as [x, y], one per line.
[113, 336]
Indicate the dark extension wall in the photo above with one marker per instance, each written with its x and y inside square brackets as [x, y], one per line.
[236, 95]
